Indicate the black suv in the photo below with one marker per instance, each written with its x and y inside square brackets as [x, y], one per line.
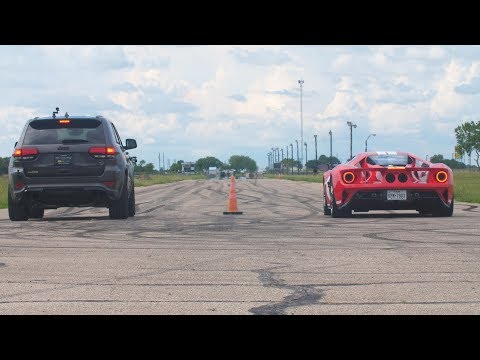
[70, 161]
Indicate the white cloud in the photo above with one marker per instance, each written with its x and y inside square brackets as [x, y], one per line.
[397, 120]
[379, 59]
[12, 120]
[181, 98]
[342, 61]
[134, 124]
[346, 101]
[447, 102]
[130, 101]
[426, 52]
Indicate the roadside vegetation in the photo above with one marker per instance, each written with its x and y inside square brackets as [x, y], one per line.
[466, 183]
[466, 186]
[3, 191]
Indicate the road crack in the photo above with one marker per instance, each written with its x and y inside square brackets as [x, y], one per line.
[302, 294]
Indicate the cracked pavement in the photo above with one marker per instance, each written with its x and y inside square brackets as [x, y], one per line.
[181, 255]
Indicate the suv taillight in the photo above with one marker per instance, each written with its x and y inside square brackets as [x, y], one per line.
[25, 153]
[102, 152]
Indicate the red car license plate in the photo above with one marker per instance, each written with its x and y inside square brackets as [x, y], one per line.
[396, 194]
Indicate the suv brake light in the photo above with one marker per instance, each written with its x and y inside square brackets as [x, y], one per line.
[102, 152]
[25, 153]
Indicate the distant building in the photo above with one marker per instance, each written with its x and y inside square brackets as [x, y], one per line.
[213, 172]
[188, 167]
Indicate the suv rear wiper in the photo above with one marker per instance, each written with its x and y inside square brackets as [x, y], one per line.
[73, 141]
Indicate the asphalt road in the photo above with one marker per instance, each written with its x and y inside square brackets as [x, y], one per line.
[181, 255]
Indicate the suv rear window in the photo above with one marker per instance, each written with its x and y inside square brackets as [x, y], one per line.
[77, 131]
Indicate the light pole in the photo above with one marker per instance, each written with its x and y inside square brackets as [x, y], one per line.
[281, 163]
[330, 132]
[278, 154]
[366, 140]
[316, 157]
[298, 161]
[301, 114]
[306, 169]
[287, 152]
[349, 123]
[291, 146]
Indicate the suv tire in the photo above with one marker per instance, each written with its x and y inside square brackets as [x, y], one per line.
[16, 211]
[36, 213]
[131, 202]
[119, 209]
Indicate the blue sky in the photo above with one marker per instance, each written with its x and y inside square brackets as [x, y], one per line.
[188, 102]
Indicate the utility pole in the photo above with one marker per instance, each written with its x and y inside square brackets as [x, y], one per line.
[366, 140]
[301, 114]
[330, 132]
[281, 162]
[159, 165]
[306, 170]
[298, 161]
[291, 146]
[163, 157]
[352, 125]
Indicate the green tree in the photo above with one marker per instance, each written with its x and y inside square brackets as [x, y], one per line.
[468, 139]
[177, 167]
[204, 163]
[288, 163]
[324, 159]
[4, 165]
[240, 162]
[438, 158]
[311, 164]
[149, 168]
[143, 167]
[451, 163]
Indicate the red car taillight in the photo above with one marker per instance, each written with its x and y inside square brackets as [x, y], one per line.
[25, 153]
[348, 177]
[441, 176]
[102, 152]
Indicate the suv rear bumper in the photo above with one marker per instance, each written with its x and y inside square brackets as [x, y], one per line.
[46, 192]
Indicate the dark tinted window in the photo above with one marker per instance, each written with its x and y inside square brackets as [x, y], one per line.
[117, 136]
[53, 132]
[386, 160]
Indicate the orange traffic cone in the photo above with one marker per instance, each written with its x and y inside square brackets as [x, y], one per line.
[232, 200]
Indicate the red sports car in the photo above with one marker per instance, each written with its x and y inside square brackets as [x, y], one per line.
[388, 180]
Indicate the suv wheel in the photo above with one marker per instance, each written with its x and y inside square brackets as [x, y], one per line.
[119, 208]
[16, 211]
[36, 213]
[131, 202]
